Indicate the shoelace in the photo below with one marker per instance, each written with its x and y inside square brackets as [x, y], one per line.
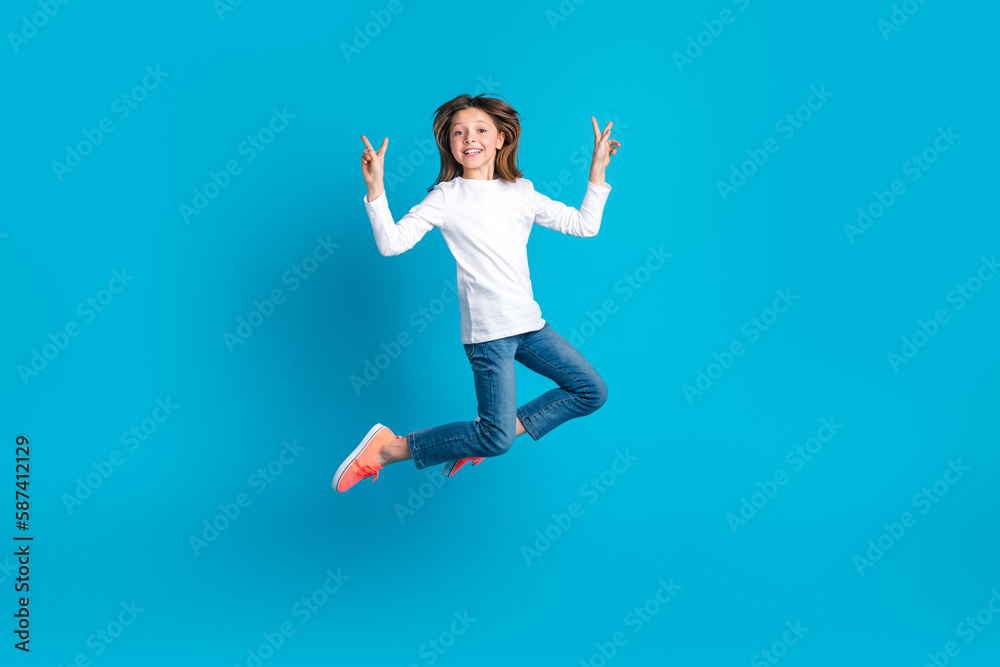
[368, 471]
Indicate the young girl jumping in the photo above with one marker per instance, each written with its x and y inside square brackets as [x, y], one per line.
[485, 209]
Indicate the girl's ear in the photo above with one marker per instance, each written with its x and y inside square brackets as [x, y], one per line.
[500, 141]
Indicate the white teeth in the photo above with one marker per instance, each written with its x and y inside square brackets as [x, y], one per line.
[474, 151]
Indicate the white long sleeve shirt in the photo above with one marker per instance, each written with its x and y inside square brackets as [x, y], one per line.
[486, 226]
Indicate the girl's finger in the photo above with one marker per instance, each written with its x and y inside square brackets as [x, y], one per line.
[365, 139]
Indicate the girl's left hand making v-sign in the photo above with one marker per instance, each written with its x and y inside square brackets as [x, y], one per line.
[604, 148]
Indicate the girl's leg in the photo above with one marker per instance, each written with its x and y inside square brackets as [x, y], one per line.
[581, 389]
[491, 434]
[399, 449]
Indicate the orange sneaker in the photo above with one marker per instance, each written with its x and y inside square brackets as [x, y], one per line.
[362, 462]
[451, 467]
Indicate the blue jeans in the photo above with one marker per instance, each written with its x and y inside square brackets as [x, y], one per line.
[581, 391]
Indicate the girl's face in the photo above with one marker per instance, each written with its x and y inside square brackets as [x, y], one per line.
[475, 140]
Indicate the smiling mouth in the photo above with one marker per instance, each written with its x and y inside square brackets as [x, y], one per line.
[472, 151]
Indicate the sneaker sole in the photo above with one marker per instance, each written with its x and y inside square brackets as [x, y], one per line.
[354, 455]
[448, 467]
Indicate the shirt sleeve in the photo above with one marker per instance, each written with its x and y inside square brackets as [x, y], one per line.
[393, 238]
[565, 219]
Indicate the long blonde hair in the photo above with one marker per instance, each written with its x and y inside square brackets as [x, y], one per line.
[503, 116]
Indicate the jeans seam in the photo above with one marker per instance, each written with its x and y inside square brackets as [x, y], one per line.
[528, 426]
[493, 404]
[411, 443]
[552, 404]
[448, 440]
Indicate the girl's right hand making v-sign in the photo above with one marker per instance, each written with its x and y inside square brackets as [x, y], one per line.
[372, 162]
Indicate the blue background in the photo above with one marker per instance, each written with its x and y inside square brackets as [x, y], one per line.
[665, 517]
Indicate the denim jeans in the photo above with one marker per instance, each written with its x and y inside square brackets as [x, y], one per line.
[581, 391]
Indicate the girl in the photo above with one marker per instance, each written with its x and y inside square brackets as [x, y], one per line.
[485, 208]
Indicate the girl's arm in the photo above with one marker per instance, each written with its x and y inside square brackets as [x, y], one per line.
[587, 221]
[394, 238]
[584, 222]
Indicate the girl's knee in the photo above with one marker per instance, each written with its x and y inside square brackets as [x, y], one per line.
[598, 393]
[496, 441]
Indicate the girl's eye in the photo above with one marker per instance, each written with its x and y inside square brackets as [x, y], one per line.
[482, 129]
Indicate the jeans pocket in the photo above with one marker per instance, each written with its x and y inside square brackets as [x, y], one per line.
[470, 348]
